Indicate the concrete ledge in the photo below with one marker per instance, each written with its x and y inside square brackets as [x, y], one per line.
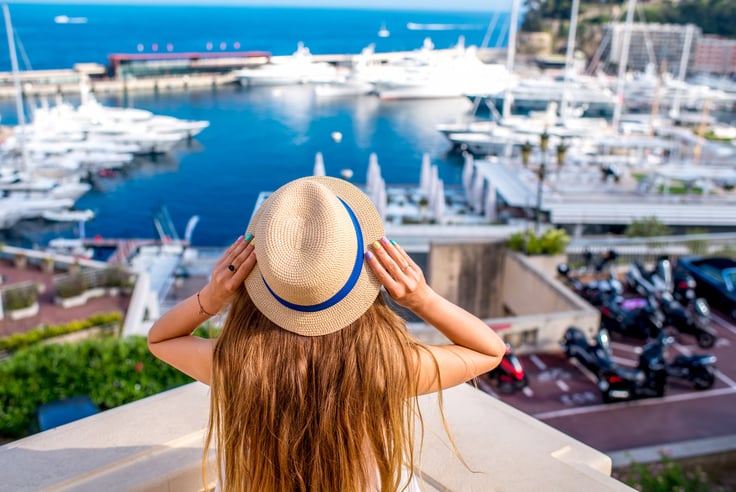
[155, 444]
[696, 448]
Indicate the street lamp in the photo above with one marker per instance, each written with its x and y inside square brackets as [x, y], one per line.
[543, 144]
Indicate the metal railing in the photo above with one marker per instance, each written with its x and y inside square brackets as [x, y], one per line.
[648, 249]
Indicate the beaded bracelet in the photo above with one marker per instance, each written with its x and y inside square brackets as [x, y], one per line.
[201, 309]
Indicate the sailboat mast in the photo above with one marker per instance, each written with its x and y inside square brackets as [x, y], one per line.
[570, 52]
[622, 62]
[16, 83]
[511, 53]
[683, 68]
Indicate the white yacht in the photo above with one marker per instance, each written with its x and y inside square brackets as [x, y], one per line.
[299, 68]
[427, 73]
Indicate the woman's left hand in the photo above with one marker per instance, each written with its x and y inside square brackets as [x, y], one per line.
[399, 274]
[228, 275]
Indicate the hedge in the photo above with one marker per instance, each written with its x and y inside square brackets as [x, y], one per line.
[110, 371]
[18, 341]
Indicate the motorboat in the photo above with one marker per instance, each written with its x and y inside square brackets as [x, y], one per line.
[13, 209]
[68, 215]
[343, 88]
[299, 68]
[430, 74]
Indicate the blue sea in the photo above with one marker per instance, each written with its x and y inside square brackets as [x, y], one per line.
[259, 138]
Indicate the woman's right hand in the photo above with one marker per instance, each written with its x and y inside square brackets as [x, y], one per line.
[399, 274]
[228, 274]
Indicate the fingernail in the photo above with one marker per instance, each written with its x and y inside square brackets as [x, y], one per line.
[248, 237]
[393, 242]
[253, 242]
[240, 238]
[368, 255]
[376, 245]
[385, 240]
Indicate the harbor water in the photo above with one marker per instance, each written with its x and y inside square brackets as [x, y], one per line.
[259, 138]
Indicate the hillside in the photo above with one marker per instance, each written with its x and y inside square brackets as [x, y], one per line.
[552, 16]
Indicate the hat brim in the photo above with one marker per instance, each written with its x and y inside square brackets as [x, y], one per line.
[355, 303]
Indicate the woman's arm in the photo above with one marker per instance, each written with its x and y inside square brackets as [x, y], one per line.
[477, 348]
[170, 338]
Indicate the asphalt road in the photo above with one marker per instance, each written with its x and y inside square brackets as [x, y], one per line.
[564, 395]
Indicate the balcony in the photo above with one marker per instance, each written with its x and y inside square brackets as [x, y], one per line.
[155, 444]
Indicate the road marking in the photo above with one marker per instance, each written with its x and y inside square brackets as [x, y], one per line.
[726, 379]
[722, 322]
[554, 373]
[528, 391]
[625, 347]
[682, 349]
[636, 403]
[586, 372]
[625, 362]
[723, 342]
[562, 386]
[538, 362]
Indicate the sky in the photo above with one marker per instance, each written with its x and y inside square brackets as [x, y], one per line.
[446, 5]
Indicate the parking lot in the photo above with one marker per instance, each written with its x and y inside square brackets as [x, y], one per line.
[564, 395]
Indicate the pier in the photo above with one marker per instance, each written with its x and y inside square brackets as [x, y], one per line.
[166, 72]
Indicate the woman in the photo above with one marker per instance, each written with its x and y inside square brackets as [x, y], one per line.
[314, 379]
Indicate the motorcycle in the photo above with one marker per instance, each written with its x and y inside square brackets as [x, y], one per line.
[593, 291]
[615, 383]
[692, 318]
[699, 369]
[595, 357]
[509, 373]
[637, 318]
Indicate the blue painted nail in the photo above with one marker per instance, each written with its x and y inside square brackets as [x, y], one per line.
[393, 242]
[248, 237]
[368, 255]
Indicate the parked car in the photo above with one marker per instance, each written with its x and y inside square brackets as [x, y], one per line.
[715, 280]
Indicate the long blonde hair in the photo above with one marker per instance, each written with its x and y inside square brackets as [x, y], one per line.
[327, 413]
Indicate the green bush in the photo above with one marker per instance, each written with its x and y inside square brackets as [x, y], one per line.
[647, 227]
[110, 371]
[71, 286]
[667, 476]
[20, 298]
[551, 242]
[21, 340]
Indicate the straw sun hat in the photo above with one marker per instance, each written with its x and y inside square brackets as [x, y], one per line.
[311, 235]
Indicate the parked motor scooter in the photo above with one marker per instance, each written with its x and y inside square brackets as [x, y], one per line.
[593, 291]
[615, 383]
[596, 357]
[509, 373]
[637, 318]
[699, 369]
[692, 319]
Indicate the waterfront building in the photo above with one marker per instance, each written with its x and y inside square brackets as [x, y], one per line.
[122, 65]
[651, 44]
[715, 55]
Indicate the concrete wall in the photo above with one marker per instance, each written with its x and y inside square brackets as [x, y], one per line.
[517, 295]
[155, 444]
[469, 274]
[529, 289]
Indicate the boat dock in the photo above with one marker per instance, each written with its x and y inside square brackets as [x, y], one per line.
[165, 72]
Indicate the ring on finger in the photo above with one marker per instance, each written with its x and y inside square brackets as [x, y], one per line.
[231, 267]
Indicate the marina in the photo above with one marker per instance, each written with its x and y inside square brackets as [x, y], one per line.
[490, 141]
